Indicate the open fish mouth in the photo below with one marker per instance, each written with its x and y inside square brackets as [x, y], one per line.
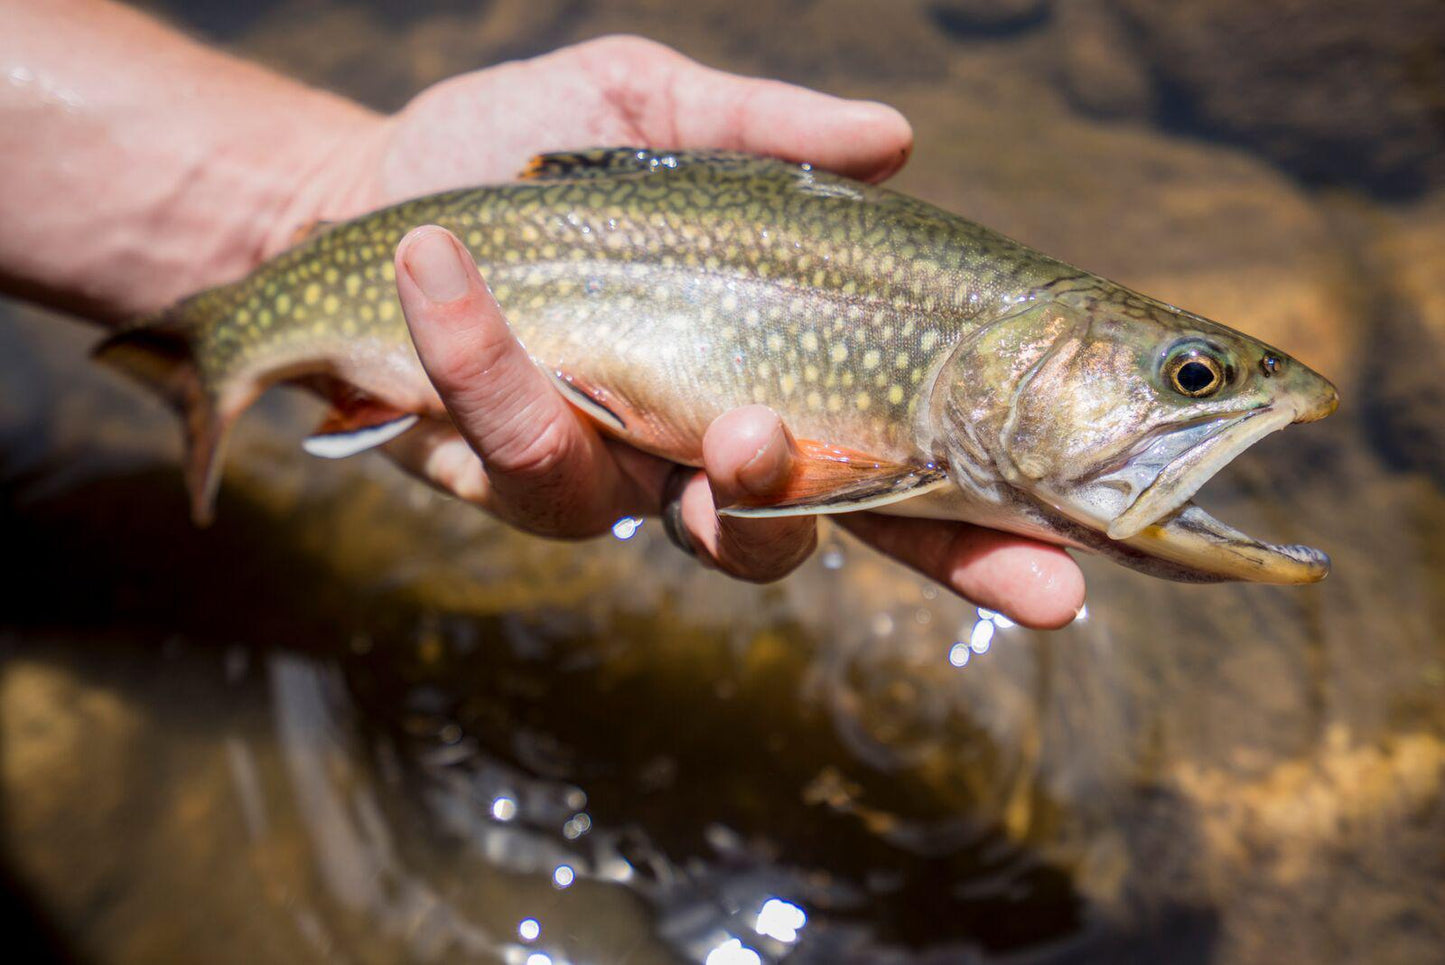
[1211, 447]
[1194, 539]
[1164, 522]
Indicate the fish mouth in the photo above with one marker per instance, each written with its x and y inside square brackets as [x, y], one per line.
[1212, 446]
[1202, 545]
[1163, 521]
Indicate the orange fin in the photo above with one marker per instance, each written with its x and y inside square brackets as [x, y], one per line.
[355, 424]
[831, 479]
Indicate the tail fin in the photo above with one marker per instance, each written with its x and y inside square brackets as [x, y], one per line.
[159, 353]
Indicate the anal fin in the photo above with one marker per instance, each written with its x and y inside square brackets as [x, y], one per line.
[831, 479]
[355, 424]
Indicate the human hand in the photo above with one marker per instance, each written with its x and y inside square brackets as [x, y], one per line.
[515, 446]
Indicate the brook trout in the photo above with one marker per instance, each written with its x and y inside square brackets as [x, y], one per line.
[927, 365]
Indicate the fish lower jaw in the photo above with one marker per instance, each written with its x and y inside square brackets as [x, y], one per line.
[1192, 538]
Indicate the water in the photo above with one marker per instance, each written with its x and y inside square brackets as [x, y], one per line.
[356, 722]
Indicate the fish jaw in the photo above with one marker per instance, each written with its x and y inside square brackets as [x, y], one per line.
[1163, 523]
[1193, 539]
[1184, 476]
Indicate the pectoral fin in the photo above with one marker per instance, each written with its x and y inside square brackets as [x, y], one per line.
[829, 479]
[591, 399]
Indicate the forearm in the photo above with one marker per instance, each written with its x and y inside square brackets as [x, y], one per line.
[137, 166]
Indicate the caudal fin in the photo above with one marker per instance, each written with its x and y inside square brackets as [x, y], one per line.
[158, 353]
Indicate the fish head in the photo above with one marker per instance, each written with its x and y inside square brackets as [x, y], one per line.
[1112, 410]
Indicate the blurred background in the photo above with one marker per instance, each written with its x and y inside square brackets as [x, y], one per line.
[356, 722]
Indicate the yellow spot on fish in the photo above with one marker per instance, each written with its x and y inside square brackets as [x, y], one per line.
[331, 275]
[353, 284]
[863, 401]
[835, 402]
[775, 342]
[815, 401]
[901, 362]
[810, 372]
[871, 358]
[895, 394]
[313, 293]
[840, 352]
[787, 383]
[330, 304]
[386, 311]
[810, 342]
[760, 394]
[388, 271]
[474, 238]
[263, 317]
[367, 314]
[929, 339]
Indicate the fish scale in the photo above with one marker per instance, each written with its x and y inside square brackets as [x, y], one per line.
[663, 289]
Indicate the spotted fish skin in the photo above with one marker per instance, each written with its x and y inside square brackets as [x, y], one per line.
[690, 284]
[664, 289]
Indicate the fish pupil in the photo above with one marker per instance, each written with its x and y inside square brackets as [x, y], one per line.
[1195, 377]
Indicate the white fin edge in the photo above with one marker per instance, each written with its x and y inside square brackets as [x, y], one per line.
[341, 445]
[843, 506]
[588, 404]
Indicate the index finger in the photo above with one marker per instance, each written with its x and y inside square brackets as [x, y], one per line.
[677, 102]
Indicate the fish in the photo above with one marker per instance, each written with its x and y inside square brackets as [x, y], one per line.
[926, 365]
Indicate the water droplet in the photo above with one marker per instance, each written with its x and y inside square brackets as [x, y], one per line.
[958, 655]
[504, 808]
[563, 876]
[529, 929]
[626, 527]
[981, 637]
[781, 920]
[733, 952]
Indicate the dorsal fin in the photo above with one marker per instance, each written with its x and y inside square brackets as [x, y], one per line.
[615, 162]
[310, 230]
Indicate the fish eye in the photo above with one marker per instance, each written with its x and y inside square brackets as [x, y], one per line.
[1194, 373]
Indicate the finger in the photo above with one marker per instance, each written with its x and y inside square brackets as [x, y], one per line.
[1032, 583]
[746, 452]
[435, 452]
[546, 470]
[677, 102]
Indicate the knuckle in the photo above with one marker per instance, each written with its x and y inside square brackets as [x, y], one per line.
[463, 369]
[622, 46]
[531, 454]
[765, 560]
